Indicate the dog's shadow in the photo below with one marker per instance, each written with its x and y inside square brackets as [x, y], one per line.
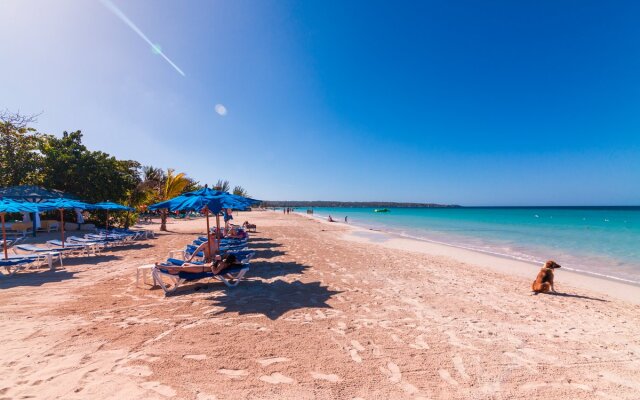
[577, 296]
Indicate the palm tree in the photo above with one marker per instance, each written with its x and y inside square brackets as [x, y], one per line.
[240, 191]
[153, 177]
[173, 185]
[222, 185]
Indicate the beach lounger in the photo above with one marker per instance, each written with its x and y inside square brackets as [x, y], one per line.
[243, 257]
[13, 265]
[223, 242]
[230, 277]
[74, 248]
[137, 234]
[111, 239]
[47, 257]
[99, 245]
[47, 252]
[16, 241]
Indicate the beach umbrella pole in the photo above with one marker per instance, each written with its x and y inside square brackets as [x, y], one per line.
[62, 226]
[206, 210]
[218, 229]
[4, 237]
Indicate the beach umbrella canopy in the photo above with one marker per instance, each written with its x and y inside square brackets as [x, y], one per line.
[62, 204]
[208, 200]
[109, 206]
[32, 193]
[13, 206]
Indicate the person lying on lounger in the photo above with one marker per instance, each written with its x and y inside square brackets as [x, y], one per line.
[217, 266]
[235, 233]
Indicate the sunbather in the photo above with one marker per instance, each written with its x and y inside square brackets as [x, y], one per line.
[216, 266]
[236, 233]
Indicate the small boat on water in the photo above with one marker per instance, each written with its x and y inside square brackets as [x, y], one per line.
[381, 210]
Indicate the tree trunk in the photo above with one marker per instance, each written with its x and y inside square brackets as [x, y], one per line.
[163, 221]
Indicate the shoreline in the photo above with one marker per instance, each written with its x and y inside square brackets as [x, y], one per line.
[611, 286]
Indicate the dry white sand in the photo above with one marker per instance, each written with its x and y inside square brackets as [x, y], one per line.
[327, 312]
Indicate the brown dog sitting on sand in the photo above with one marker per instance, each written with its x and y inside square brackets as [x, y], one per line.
[544, 280]
[249, 227]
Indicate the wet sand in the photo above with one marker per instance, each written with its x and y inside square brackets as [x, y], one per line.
[326, 313]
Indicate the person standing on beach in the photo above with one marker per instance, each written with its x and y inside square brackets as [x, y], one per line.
[346, 219]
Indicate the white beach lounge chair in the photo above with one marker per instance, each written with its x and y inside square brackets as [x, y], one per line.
[19, 262]
[74, 248]
[230, 277]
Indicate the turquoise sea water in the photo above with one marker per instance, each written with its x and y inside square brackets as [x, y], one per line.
[596, 240]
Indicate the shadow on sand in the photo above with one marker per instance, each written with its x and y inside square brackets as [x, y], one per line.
[270, 270]
[273, 299]
[34, 278]
[252, 240]
[89, 261]
[577, 296]
[259, 245]
[268, 253]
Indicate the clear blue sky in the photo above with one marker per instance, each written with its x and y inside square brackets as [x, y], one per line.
[467, 102]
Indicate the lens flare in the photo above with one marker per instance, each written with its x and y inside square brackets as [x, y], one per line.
[221, 109]
[154, 47]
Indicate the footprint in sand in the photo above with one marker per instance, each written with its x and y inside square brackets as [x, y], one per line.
[326, 377]
[134, 370]
[268, 361]
[357, 345]
[234, 373]
[457, 362]
[157, 387]
[376, 350]
[420, 343]
[204, 396]
[446, 376]
[392, 371]
[276, 378]
[197, 357]
[355, 356]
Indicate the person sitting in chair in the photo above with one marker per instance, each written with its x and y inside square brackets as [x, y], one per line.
[209, 248]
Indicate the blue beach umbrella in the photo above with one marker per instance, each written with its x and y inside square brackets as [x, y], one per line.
[61, 205]
[11, 206]
[208, 200]
[109, 206]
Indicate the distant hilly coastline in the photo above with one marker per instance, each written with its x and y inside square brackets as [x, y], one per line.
[354, 204]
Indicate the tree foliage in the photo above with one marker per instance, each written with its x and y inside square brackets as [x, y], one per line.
[20, 161]
[91, 175]
[28, 157]
[240, 191]
[222, 185]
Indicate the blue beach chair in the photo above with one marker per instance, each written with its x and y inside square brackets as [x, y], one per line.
[170, 281]
[14, 264]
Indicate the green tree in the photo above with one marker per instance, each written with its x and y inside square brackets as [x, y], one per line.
[20, 160]
[93, 176]
[222, 185]
[240, 191]
[193, 185]
[173, 185]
